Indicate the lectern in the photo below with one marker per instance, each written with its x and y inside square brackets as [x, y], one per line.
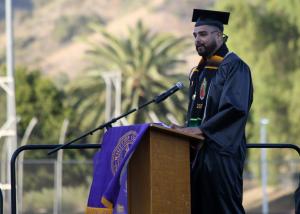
[159, 173]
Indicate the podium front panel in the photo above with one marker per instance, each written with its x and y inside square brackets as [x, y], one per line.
[159, 175]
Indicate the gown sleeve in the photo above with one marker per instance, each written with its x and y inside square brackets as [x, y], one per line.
[229, 101]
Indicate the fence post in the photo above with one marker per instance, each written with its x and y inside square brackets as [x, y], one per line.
[264, 167]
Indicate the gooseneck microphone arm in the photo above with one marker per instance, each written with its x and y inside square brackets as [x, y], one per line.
[108, 124]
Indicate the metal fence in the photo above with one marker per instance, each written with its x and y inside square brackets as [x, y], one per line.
[39, 193]
[36, 147]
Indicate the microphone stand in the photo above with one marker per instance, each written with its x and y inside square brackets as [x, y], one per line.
[106, 125]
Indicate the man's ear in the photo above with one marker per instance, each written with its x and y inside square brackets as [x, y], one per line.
[225, 37]
[220, 36]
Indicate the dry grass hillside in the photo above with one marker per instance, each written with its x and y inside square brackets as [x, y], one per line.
[46, 32]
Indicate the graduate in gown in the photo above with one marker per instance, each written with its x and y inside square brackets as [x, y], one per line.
[220, 99]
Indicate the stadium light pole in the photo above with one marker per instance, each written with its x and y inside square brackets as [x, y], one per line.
[11, 108]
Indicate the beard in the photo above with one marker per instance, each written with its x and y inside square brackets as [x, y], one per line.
[206, 50]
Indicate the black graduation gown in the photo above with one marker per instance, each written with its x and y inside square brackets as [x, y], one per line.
[216, 179]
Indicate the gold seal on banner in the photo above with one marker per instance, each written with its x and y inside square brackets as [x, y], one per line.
[121, 149]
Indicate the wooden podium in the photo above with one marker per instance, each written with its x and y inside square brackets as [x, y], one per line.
[159, 173]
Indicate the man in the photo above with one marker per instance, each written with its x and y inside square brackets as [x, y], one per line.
[220, 99]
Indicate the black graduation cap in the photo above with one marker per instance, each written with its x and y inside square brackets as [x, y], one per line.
[210, 17]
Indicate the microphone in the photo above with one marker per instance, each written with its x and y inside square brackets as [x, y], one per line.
[168, 93]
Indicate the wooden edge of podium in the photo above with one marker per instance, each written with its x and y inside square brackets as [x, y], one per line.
[194, 138]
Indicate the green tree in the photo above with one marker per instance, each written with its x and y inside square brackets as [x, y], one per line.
[269, 42]
[147, 63]
[37, 96]
[266, 35]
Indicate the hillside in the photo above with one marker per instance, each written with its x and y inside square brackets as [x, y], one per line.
[46, 32]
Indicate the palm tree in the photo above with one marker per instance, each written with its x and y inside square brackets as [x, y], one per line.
[146, 61]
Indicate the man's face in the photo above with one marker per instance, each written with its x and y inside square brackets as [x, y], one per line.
[206, 39]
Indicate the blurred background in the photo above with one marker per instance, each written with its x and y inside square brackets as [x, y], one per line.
[79, 63]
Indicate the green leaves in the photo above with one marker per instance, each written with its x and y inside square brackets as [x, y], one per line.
[37, 96]
[266, 36]
[146, 61]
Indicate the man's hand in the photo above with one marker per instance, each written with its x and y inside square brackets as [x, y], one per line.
[190, 130]
[174, 126]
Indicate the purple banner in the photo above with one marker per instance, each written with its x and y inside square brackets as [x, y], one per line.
[108, 193]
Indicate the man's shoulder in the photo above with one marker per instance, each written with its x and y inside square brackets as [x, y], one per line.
[193, 72]
[232, 62]
[232, 58]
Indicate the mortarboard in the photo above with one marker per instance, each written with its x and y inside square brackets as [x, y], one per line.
[210, 17]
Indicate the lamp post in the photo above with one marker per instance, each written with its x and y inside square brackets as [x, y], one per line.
[264, 167]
